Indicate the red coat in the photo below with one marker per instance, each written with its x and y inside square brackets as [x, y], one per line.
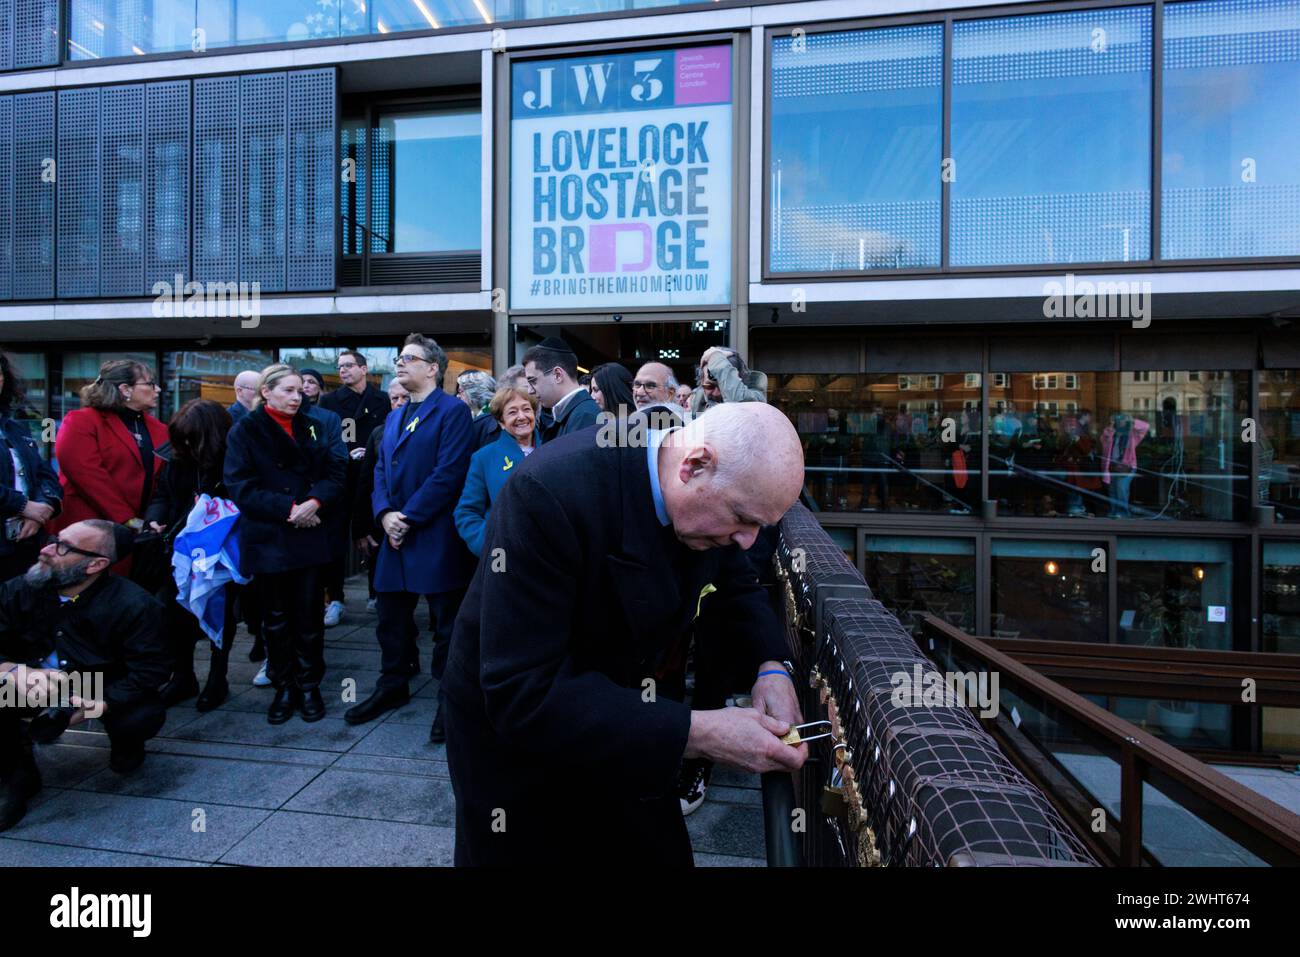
[100, 468]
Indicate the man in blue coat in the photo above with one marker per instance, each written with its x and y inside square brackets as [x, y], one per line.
[419, 474]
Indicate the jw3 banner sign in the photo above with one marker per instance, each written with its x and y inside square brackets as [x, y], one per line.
[620, 180]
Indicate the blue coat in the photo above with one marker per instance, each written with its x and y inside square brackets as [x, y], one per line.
[337, 519]
[266, 473]
[420, 472]
[488, 470]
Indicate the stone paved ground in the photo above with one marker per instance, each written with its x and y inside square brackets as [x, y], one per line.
[228, 788]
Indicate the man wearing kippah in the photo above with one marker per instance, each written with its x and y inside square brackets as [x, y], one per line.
[551, 371]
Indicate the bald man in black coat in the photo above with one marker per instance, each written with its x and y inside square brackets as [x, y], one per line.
[597, 559]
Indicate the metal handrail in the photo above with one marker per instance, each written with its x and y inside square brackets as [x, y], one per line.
[1264, 828]
[778, 820]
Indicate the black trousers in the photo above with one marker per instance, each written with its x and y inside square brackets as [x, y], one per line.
[250, 608]
[293, 625]
[128, 726]
[397, 633]
[182, 631]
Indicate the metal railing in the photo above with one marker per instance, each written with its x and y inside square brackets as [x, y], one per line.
[1111, 780]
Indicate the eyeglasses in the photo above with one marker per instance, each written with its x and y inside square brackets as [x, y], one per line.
[345, 366]
[62, 548]
[637, 384]
[402, 359]
[149, 382]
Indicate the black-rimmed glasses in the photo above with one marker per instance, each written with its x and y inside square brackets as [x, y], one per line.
[62, 548]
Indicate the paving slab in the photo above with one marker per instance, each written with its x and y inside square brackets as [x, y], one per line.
[400, 741]
[201, 781]
[15, 853]
[294, 839]
[327, 734]
[379, 797]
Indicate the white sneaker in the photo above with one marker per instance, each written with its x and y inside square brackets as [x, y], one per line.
[261, 680]
[372, 604]
[333, 613]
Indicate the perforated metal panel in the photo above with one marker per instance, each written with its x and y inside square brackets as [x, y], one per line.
[6, 196]
[262, 118]
[78, 175]
[167, 183]
[33, 190]
[216, 180]
[36, 33]
[312, 166]
[352, 189]
[6, 34]
[121, 259]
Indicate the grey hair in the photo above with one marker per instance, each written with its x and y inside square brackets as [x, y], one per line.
[107, 537]
[512, 377]
[478, 386]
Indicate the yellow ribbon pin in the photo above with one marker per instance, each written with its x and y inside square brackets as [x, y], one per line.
[706, 590]
[312, 430]
[508, 466]
[414, 422]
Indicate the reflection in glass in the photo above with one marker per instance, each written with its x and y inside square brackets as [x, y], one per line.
[1281, 730]
[882, 442]
[408, 216]
[914, 577]
[1175, 593]
[1146, 444]
[396, 15]
[379, 361]
[1279, 442]
[1230, 184]
[1188, 724]
[1051, 133]
[1051, 591]
[122, 28]
[208, 374]
[846, 539]
[1280, 628]
[856, 134]
[29, 367]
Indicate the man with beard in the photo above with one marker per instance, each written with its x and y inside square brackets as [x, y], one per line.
[68, 615]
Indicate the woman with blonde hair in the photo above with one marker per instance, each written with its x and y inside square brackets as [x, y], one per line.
[281, 473]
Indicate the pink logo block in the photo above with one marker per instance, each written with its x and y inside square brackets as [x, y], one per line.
[702, 75]
[603, 242]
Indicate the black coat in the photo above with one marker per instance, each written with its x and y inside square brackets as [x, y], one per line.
[366, 414]
[363, 515]
[580, 412]
[486, 430]
[545, 678]
[112, 627]
[266, 474]
[179, 484]
[42, 481]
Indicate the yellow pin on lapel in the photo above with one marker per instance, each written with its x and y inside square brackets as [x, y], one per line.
[508, 466]
[312, 430]
[414, 422]
[706, 590]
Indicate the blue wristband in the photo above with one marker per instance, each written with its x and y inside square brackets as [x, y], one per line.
[775, 671]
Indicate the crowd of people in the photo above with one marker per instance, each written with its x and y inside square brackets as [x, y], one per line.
[408, 478]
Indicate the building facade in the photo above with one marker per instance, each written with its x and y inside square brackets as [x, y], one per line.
[1025, 276]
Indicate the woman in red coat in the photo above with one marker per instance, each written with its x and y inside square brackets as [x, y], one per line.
[105, 450]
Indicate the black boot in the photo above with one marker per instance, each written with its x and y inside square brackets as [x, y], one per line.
[437, 734]
[180, 688]
[379, 702]
[215, 688]
[288, 699]
[18, 788]
[313, 707]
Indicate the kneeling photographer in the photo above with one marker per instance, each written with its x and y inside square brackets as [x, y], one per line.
[76, 643]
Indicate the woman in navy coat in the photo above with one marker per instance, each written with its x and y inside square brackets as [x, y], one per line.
[282, 472]
[30, 494]
[491, 465]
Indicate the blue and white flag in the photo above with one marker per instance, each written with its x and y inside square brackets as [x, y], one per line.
[206, 557]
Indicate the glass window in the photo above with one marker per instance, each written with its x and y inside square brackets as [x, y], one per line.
[82, 368]
[379, 361]
[29, 367]
[395, 15]
[846, 539]
[856, 137]
[1231, 131]
[1281, 730]
[1175, 593]
[1281, 610]
[119, 28]
[1050, 590]
[914, 577]
[208, 374]
[1051, 134]
[883, 442]
[287, 21]
[1135, 445]
[408, 216]
[1279, 442]
[1189, 724]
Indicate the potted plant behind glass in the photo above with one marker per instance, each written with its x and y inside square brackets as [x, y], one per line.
[1171, 618]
